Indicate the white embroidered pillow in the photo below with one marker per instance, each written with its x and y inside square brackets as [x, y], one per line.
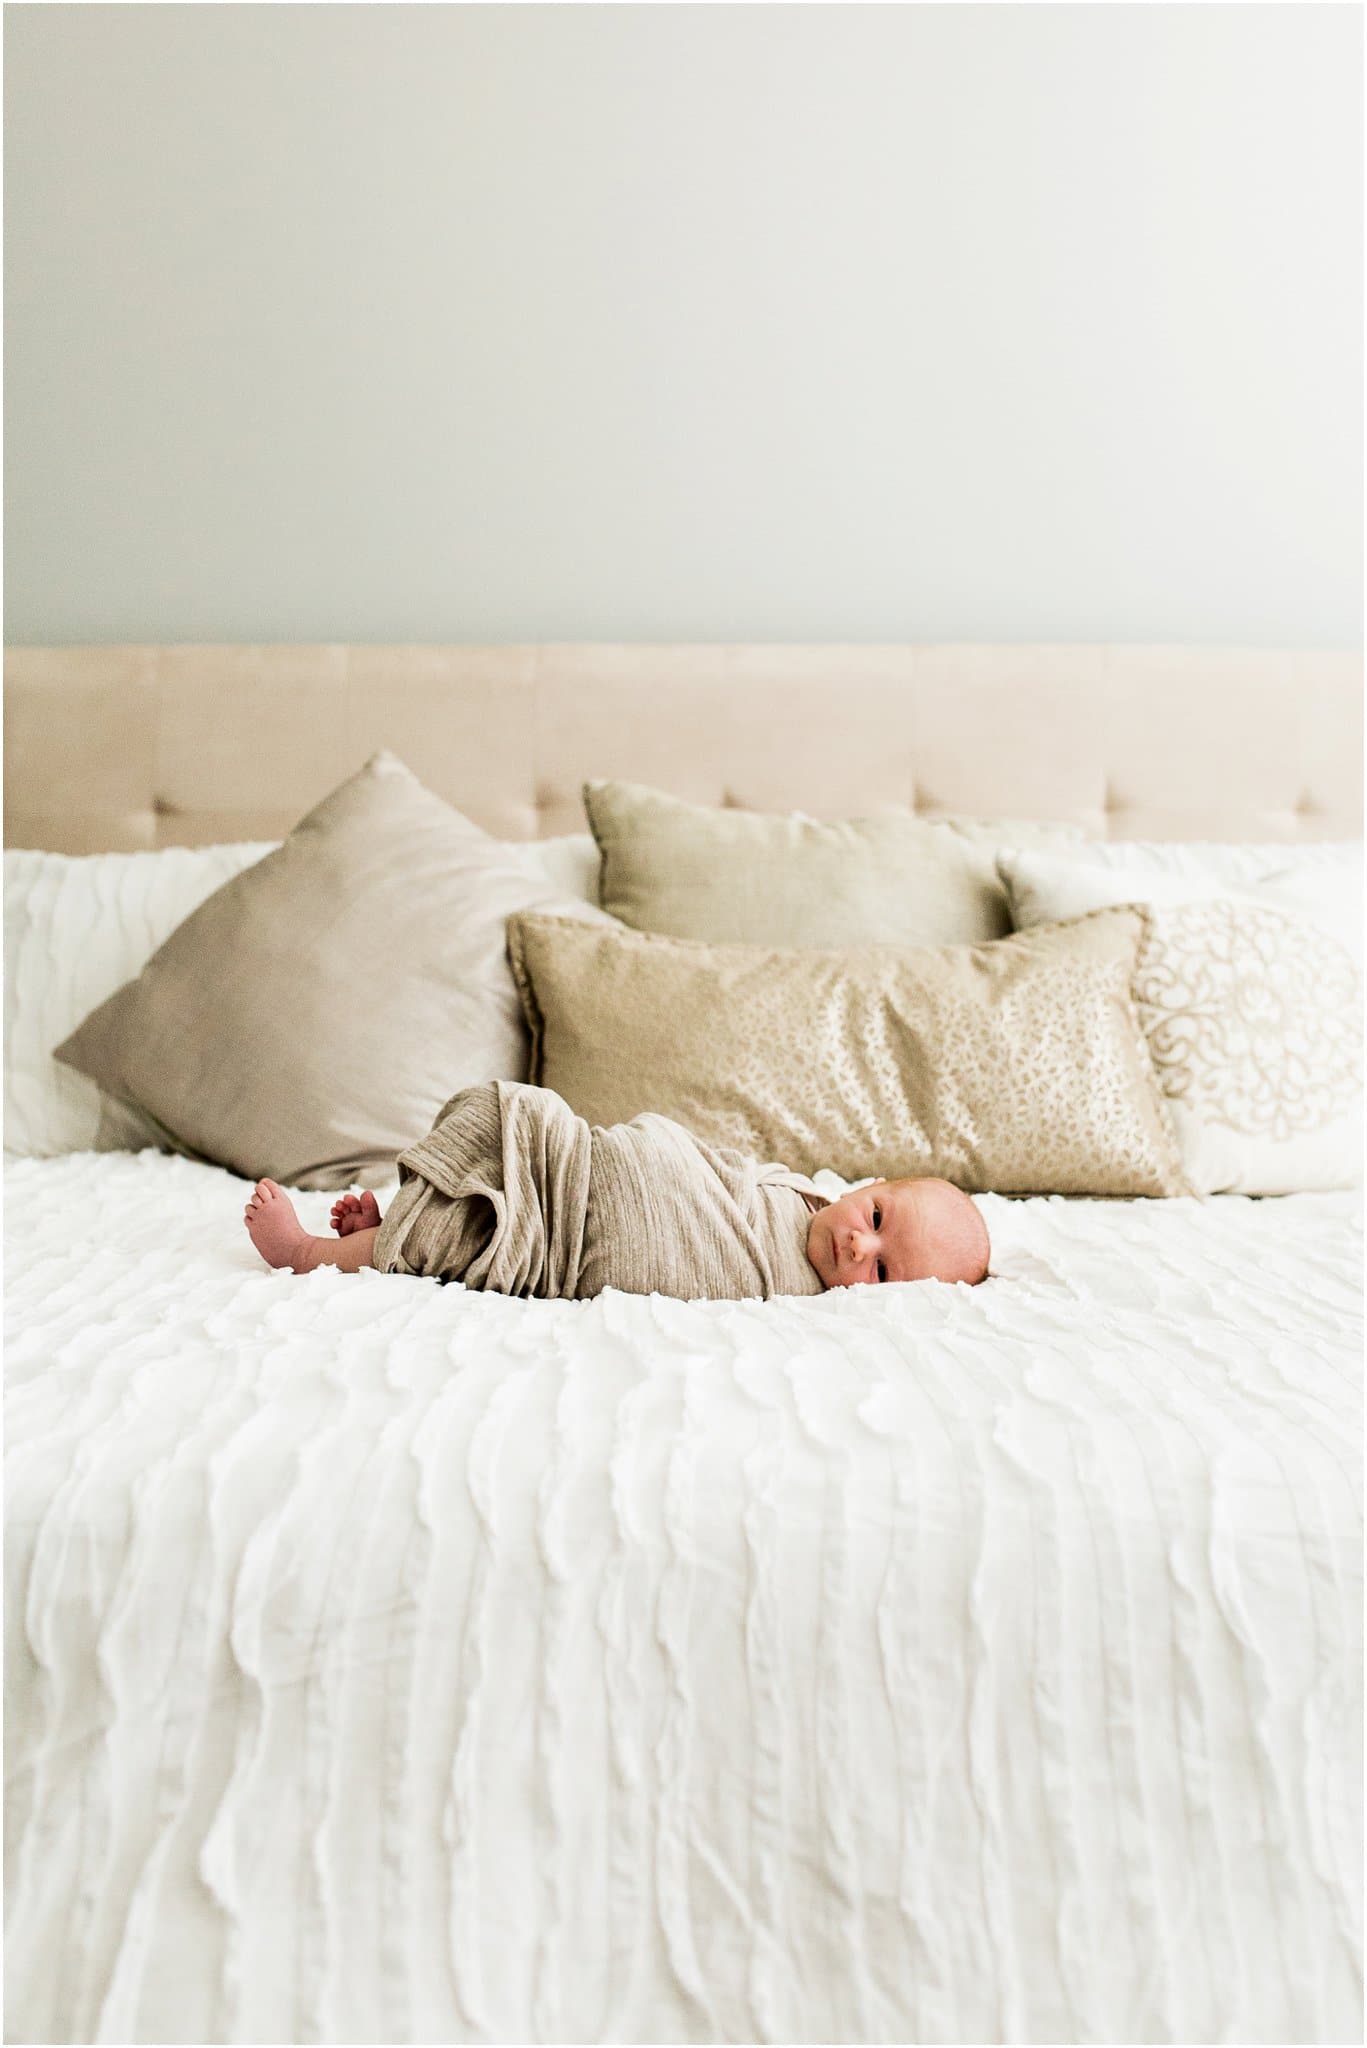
[1251, 1002]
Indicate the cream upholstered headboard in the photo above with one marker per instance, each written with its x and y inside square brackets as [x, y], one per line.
[126, 747]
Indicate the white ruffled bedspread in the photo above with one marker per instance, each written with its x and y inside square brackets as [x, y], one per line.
[391, 1663]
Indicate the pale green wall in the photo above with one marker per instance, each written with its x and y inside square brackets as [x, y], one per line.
[642, 322]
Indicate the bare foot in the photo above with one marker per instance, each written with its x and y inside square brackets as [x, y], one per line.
[355, 1212]
[276, 1231]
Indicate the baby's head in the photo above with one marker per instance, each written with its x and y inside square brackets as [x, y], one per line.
[899, 1230]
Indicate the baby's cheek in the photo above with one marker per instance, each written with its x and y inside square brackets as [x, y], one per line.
[821, 1256]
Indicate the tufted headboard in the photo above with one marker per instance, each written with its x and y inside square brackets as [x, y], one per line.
[126, 747]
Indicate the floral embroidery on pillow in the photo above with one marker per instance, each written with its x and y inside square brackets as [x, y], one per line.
[1254, 1020]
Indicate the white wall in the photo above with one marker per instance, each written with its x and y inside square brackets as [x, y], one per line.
[683, 322]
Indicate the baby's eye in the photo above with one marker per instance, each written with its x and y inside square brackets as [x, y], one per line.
[877, 1217]
[882, 1270]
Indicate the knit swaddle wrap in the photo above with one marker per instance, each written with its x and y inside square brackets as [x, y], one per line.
[512, 1192]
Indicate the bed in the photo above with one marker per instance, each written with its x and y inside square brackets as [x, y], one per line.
[386, 1662]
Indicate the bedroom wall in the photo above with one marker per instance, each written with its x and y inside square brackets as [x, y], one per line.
[383, 323]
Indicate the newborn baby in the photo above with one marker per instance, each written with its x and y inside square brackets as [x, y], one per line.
[513, 1193]
[898, 1230]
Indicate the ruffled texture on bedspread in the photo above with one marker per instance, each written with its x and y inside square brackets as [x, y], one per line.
[390, 1662]
[513, 1193]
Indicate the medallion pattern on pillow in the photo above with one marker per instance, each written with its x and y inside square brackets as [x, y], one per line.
[1251, 1000]
[1254, 1023]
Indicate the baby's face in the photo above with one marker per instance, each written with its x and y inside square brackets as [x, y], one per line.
[898, 1230]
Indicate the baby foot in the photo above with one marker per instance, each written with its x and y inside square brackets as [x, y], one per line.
[355, 1212]
[275, 1230]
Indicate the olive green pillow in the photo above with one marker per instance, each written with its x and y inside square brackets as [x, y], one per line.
[1017, 1066]
[754, 878]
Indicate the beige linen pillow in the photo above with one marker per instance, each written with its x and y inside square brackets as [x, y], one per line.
[1016, 1066]
[751, 878]
[1251, 1000]
[310, 1018]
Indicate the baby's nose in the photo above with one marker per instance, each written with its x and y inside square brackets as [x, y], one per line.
[861, 1244]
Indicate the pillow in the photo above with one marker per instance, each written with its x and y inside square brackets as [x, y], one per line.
[311, 1017]
[749, 878]
[1251, 1002]
[567, 866]
[1330, 862]
[76, 928]
[1017, 1065]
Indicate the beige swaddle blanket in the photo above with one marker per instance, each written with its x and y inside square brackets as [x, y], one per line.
[512, 1192]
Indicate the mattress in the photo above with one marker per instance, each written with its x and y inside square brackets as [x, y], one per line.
[389, 1663]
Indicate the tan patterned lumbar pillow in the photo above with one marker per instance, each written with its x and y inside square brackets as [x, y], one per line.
[1016, 1066]
[753, 878]
[1252, 1005]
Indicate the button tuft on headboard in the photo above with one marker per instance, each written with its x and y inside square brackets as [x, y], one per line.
[978, 731]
